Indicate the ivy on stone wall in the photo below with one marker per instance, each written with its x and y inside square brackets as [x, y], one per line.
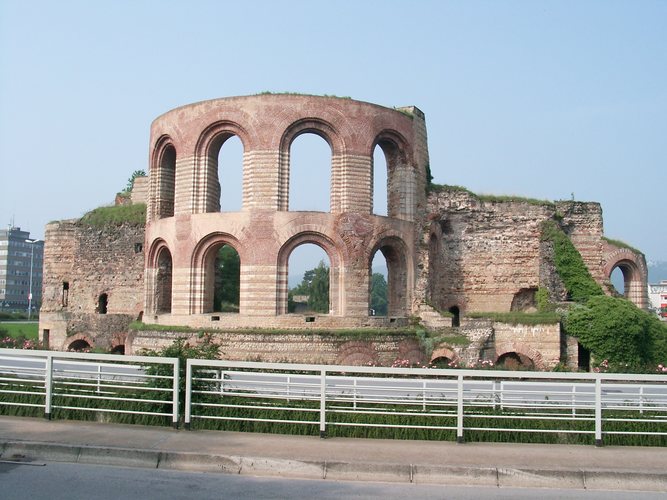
[616, 330]
[576, 277]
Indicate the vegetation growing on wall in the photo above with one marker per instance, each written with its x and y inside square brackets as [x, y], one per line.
[489, 198]
[519, 318]
[116, 215]
[576, 277]
[621, 244]
[617, 331]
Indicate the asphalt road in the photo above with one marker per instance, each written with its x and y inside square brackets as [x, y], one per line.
[57, 481]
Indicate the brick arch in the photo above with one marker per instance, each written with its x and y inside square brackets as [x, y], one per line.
[76, 337]
[158, 276]
[401, 176]
[523, 350]
[444, 352]
[206, 194]
[332, 136]
[202, 278]
[162, 179]
[635, 274]
[357, 353]
[117, 340]
[400, 274]
[336, 285]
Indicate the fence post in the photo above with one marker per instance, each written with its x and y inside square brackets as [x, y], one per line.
[354, 397]
[48, 386]
[323, 403]
[174, 418]
[598, 411]
[188, 393]
[641, 399]
[424, 395]
[459, 410]
[574, 400]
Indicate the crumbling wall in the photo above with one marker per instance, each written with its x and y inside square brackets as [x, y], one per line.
[486, 252]
[93, 281]
[380, 349]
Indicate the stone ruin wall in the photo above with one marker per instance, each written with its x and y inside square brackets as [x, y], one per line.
[80, 264]
[461, 250]
[380, 349]
[487, 256]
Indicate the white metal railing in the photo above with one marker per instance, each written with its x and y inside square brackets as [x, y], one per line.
[85, 381]
[455, 400]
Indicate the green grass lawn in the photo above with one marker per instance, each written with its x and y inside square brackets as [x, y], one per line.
[28, 330]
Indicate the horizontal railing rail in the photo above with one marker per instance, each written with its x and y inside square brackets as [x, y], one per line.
[280, 397]
[432, 399]
[88, 382]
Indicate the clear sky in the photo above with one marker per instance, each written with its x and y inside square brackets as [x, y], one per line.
[545, 99]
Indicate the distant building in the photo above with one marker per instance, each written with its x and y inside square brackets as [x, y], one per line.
[20, 263]
[657, 296]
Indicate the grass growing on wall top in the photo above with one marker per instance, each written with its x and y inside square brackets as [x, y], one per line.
[346, 332]
[116, 215]
[621, 244]
[519, 318]
[490, 198]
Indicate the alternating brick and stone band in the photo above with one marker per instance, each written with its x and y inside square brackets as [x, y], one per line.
[185, 227]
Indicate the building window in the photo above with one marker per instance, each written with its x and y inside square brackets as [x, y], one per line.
[102, 303]
[65, 293]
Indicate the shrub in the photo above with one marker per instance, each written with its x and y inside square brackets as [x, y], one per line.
[616, 330]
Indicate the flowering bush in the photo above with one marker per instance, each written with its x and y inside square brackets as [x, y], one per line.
[20, 342]
[602, 367]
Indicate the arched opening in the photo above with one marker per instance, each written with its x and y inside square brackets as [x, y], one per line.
[163, 281]
[583, 358]
[442, 362]
[626, 270]
[379, 182]
[310, 157]
[399, 182]
[515, 361]
[378, 301]
[102, 303]
[229, 163]
[309, 277]
[524, 300]
[456, 315]
[167, 182]
[227, 280]
[617, 279]
[393, 251]
[79, 345]
[118, 349]
[222, 278]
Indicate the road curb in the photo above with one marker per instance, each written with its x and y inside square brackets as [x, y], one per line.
[25, 451]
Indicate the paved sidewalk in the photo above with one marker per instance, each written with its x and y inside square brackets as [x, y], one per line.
[499, 464]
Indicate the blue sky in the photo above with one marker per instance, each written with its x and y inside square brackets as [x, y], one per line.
[533, 98]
